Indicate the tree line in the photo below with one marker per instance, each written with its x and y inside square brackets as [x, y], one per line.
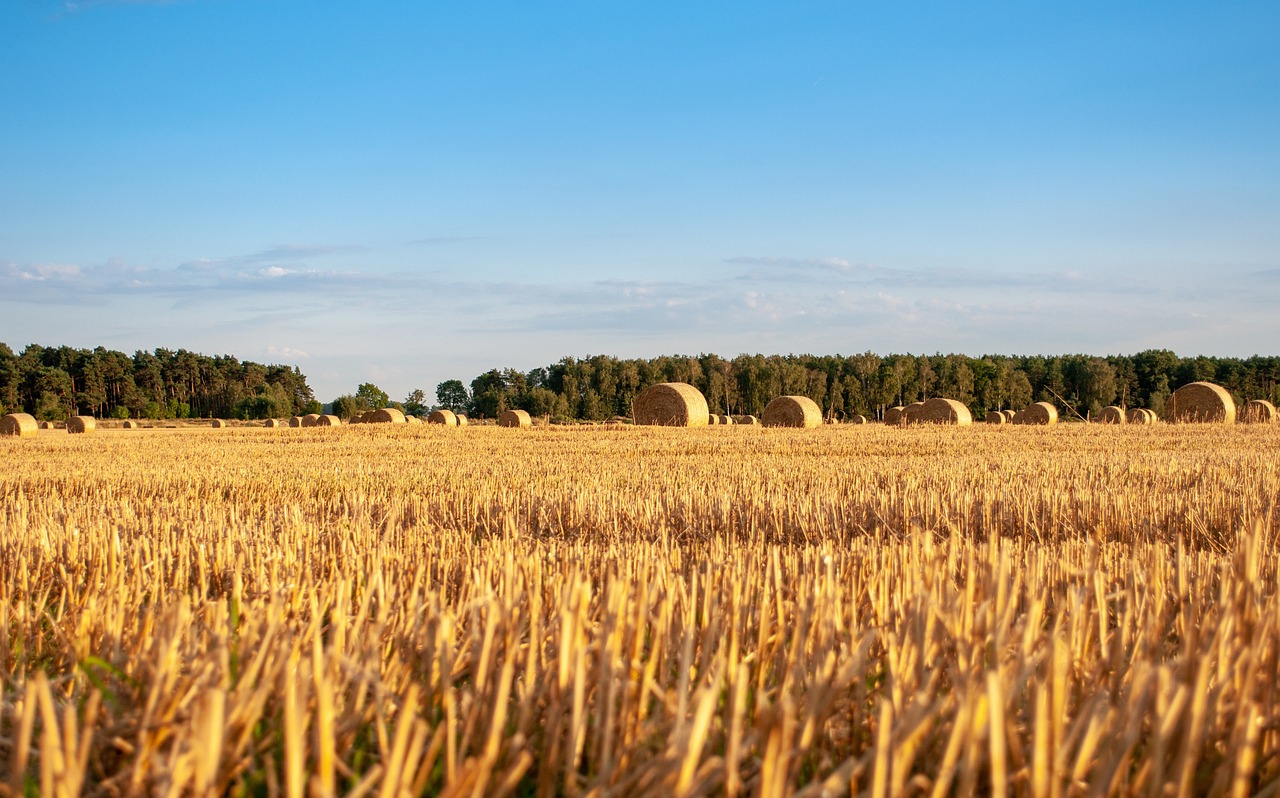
[55, 382]
[599, 387]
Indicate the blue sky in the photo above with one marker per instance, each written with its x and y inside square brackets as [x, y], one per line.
[406, 192]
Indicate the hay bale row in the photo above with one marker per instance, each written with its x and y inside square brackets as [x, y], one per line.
[80, 425]
[515, 418]
[671, 404]
[19, 425]
[1111, 415]
[1200, 403]
[1258, 411]
[799, 412]
[1037, 414]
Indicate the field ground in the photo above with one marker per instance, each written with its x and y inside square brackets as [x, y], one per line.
[1078, 610]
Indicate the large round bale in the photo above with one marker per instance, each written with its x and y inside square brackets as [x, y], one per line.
[328, 421]
[910, 412]
[217, 423]
[515, 418]
[996, 417]
[80, 425]
[19, 424]
[943, 411]
[1038, 414]
[1138, 415]
[387, 415]
[670, 404]
[747, 420]
[1111, 415]
[1259, 411]
[1200, 403]
[131, 425]
[893, 416]
[310, 419]
[792, 411]
[444, 417]
[271, 422]
[296, 421]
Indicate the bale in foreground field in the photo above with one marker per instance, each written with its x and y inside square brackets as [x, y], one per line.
[748, 420]
[1111, 415]
[310, 419]
[943, 411]
[271, 422]
[792, 411]
[893, 416]
[996, 417]
[296, 421]
[670, 404]
[444, 417]
[218, 423]
[1200, 403]
[328, 421]
[1040, 413]
[515, 418]
[387, 415]
[19, 424]
[80, 425]
[1259, 411]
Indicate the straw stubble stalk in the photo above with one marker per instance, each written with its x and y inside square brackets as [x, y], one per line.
[1200, 403]
[80, 425]
[1111, 415]
[792, 411]
[670, 404]
[514, 418]
[18, 425]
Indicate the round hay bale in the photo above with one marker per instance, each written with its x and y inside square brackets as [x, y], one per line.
[712, 419]
[747, 420]
[996, 417]
[310, 419]
[462, 420]
[1200, 403]
[80, 425]
[296, 421]
[1151, 415]
[893, 416]
[130, 425]
[857, 420]
[1010, 414]
[671, 404]
[943, 411]
[1137, 415]
[19, 424]
[515, 418]
[725, 419]
[413, 420]
[46, 425]
[272, 422]
[387, 415]
[442, 416]
[910, 412]
[792, 411]
[218, 423]
[1040, 413]
[328, 421]
[1259, 411]
[1111, 415]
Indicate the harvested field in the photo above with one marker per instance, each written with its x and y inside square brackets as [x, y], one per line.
[1070, 609]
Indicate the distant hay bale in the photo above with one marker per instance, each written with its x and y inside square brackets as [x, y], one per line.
[328, 421]
[1111, 415]
[19, 424]
[271, 422]
[943, 411]
[412, 420]
[1139, 415]
[747, 420]
[996, 417]
[713, 420]
[443, 417]
[79, 425]
[515, 418]
[1200, 403]
[1040, 413]
[670, 404]
[1010, 414]
[310, 419]
[462, 420]
[1259, 411]
[46, 425]
[792, 411]
[894, 417]
[296, 421]
[131, 425]
[910, 412]
[725, 419]
[857, 420]
[218, 423]
[387, 415]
